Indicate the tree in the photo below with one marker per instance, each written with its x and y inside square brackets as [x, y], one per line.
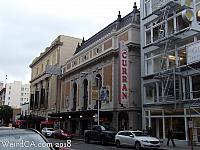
[6, 113]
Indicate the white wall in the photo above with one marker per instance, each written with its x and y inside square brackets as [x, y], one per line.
[17, 94]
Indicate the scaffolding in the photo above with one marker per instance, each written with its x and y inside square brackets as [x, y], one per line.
[171, 78]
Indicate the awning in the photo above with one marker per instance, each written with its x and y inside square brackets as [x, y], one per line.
[47, 122]
[84, 114]
[20, 122]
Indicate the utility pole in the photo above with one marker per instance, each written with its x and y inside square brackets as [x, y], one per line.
[99, 97]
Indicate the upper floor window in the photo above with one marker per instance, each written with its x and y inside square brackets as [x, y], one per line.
[147, 7]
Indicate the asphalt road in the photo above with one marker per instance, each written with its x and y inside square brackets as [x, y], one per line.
[80, 145]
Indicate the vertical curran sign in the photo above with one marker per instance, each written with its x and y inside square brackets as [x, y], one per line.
[124, 88]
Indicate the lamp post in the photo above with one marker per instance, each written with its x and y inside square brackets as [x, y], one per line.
[98, 100]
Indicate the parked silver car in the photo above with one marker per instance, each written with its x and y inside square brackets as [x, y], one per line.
[48, 132]
[136, 139]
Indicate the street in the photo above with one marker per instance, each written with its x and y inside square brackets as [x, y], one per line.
[81, 145]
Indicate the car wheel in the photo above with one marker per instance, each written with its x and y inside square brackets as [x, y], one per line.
[118, 143]
[137, 145]
[87, 139]
[103, 142]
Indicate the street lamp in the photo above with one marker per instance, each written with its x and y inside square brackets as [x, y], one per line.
[98, 100]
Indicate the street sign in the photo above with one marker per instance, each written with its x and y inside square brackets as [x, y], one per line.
[53, 69]
[104, 93]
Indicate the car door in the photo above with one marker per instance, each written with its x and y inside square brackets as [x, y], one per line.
[123, 138]
[94, 133]
[129, 139]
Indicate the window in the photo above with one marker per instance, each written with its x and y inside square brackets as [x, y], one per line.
[150, 93]
[198, 12]
[148, 37]
[147, 7]
[9, 92]
[47, 62]
[121, 133]
[157, 64]
[181, 24]
[196, 86]
[128, 133]
[170, 26]
[42, 67]
[171, 59]
[148, 67]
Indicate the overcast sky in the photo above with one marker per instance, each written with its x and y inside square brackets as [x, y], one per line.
[27, 27]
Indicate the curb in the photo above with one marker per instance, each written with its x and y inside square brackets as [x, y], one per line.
[78, 139]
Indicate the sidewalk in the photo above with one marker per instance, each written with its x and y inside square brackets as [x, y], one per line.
[178, 147]
[78, 138]
[162, 145]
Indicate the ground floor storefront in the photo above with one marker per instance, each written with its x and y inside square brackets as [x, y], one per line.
[184, 122]
[79, 121]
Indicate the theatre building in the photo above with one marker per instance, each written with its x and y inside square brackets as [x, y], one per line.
[106, 67]
[43, 86]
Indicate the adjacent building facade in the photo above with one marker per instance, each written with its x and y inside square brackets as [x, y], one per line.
[170, 68]
[2, 96]
[93, 75]
[45, 86]
[16, 94]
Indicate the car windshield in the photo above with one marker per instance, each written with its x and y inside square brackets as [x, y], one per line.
[18, 139]
[50, 129]
[109, 128]
[139, 133]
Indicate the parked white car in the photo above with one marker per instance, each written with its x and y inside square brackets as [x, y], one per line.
[136, 139]
[48, 132]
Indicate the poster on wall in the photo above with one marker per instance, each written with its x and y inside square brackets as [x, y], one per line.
[124, 87]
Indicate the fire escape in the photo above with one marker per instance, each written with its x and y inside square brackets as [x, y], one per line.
[170, 77]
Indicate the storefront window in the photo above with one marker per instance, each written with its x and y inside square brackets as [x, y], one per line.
[177, 124]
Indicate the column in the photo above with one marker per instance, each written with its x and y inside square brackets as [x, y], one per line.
[163, 118]
[157, 128]
[186, 127]
[149, 117]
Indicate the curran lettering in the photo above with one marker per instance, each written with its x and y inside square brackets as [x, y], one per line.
[124, 73]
